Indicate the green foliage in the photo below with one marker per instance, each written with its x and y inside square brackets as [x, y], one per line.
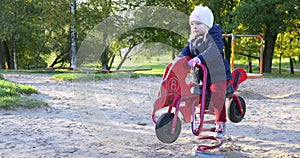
[42, 28]
[288, 45]
[224, 11]
[258, 15]
[148, 35]
[182, 6]
[247, 49]
[267, 18]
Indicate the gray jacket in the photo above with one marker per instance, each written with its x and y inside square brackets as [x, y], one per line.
[209, 54]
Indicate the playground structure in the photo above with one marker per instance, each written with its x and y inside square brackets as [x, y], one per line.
[175, 96]
[260, 54]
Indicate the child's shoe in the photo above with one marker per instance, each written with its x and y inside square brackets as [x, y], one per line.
[220, 129]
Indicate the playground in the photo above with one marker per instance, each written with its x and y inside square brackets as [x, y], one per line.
[112, 118]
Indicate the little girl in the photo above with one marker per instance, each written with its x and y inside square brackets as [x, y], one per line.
[206, 46]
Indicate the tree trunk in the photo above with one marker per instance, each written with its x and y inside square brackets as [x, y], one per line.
[57, 60]
[269, 50]
[173, 55]
[131, 46]
[104, 58]
[73, 34]
[2, 59]
[14, 40]
[125, 57]
[7, 55]
[104, 55]
[280, 56]
[14, 51]
[291, 65]
[227, 44]
[250, 66]
[111, 61]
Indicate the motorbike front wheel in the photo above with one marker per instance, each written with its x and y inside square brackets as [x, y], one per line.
[163, 128]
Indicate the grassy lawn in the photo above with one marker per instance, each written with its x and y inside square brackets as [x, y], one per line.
[157, 69]
[12, 95]
[157, 65]
[96, 76]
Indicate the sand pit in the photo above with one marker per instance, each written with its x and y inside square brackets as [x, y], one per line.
[112, 118]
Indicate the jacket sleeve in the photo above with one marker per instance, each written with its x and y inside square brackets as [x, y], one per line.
[185, 52]
[216, 33]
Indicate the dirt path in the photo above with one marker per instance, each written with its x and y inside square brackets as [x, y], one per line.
[112, 118]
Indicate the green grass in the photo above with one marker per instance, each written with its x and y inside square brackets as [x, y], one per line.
[156, 63]
[157, 70]
[10, 102]
[11, 95]
[285, 63]
[101, 76]
[285, 66]
[46, 71]
[283, 74]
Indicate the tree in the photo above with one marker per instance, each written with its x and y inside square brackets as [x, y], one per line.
[139, 20]
[38, 32]
[223, 11]
[9, 23]
[58, 25]
[91, 13]
[267, 17]
[41, 29]
[288, 46]
[2, 59]
[223, 14]
[73, 34]
[150, 35]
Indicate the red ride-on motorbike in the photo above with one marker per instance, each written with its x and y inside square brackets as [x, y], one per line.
[175, 96]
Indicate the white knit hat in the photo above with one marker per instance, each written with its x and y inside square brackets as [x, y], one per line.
[202, 14]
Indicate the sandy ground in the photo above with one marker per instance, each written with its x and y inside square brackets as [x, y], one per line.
[112, 118]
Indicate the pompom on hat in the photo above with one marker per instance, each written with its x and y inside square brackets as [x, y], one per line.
[203, 15]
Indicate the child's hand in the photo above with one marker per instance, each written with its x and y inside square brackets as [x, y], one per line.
[193, 62]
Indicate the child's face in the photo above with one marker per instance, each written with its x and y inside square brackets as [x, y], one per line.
[198, 28]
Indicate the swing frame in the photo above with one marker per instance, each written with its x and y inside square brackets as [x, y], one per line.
[260, 56]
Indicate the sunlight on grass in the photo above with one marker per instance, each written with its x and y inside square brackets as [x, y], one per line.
[157, 65]
[10, 95]
[9, 88]
[157, 69]
[96, 76]
[9, 102]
